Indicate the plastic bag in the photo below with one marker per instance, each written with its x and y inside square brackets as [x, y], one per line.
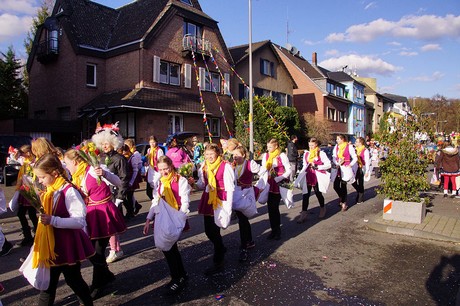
[168, 226]
[347, 174]
[287, 196]
[264, 188]
[39, 277]
[300, 181]
[222, 217]
[14, 204]
[435, 179]
[244, 200]
[323, 180]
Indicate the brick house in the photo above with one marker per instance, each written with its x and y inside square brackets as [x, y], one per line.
[316, 93]
[141, 64]
[270, 77]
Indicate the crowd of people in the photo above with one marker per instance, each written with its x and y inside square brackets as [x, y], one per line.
[90, 202]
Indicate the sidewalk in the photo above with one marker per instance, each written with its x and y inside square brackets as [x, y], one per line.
[442, 221]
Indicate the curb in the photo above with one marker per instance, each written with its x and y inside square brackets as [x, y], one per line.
[374, 225]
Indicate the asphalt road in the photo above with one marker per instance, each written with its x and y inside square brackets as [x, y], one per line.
[335, 261]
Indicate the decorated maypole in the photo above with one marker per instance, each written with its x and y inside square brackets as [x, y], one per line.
[251, 127]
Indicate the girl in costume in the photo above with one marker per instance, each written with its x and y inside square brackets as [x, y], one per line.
[175, 190]
[103, 218]
[363, 171]
[343, 155]
[218, 180]
[244, 191]
[177, 154]
[153, 154]
[448, 164]
[314, 161]
[60, 241]
[135, 162]
[24, 207]
[276, 163]
[108, 141]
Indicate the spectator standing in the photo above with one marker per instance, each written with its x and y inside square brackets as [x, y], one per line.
[448, 165]
[293, 155]
[153, 155]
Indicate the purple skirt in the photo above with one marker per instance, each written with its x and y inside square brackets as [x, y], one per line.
[104, 220]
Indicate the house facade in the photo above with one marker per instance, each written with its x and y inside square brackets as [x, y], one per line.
[270, 77]
[150, 65]
[316, 93]
[354, 92]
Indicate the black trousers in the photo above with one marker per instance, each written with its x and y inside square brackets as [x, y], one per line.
[22, 211]
[273, 205]
[128, 203]
[174, 260]
[359, 184]
[213, 233]
[73, 278]
[306, 197]
[245, 229]
[149, 191]
[341, 188]
[100, 267]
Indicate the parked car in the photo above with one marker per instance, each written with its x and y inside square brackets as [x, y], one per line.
[9, 171]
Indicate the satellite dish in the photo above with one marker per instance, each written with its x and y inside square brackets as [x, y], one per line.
[288, 46]
[294, 50]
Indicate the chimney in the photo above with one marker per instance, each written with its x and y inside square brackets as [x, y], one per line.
[314, 58]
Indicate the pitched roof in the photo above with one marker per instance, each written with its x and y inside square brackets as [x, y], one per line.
[395, 98]
[239, 53]
[340, 76]
[94, 25]
[300, 62]
[147, 99]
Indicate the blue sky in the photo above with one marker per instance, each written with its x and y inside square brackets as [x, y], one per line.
[412, 47]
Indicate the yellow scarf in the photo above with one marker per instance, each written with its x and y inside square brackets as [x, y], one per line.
[272, 156]
[152, 159]
[167, 190]
[313, 154]
[358, 152]
[212, 182]
[342, 149]
[78, 176]
[43, 253]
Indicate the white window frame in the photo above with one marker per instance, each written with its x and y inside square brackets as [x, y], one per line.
[166, 69]
[94, 84]
[331, 114]
[342, 116]
[172, 123]
[215, 82]
[227, 84]
[188, 76]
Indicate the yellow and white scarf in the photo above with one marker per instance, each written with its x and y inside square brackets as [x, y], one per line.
[271, 157]
[211, 169]
[313, 154]
[152, 159]
[79, 174]
[167, 190]
[342, 147]
[43, 252]
[359, 150]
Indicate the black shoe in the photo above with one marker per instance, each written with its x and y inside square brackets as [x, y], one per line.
[244, 255]
[137, 208]
[7, 246]
[277, 236]
[129, 216]
[250, 245]
[175, 286]
[216, 268]
[26, 242]
[445, 195]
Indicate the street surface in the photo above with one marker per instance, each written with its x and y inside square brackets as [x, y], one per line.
[335, 261]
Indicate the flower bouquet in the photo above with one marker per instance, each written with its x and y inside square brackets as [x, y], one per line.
[186, 170]
[286, 184]
[89, 153]
[31, 191]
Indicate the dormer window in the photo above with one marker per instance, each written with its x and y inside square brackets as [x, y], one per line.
[189, 2]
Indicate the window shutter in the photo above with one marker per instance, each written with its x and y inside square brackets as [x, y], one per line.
[261, 66]
[272, 69]
[156, 69]
[202, 72]
[188, 75]
[227, 84]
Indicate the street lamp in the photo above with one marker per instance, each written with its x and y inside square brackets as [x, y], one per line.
[251, 127]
